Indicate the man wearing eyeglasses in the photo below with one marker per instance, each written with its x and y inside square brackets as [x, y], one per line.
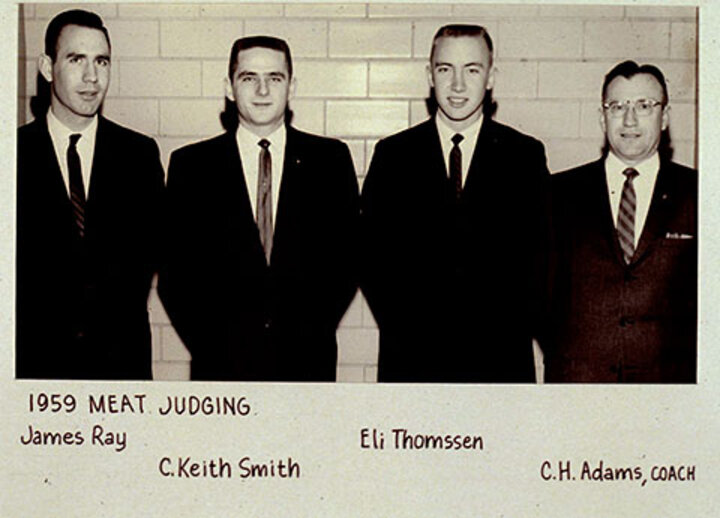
[623, 303]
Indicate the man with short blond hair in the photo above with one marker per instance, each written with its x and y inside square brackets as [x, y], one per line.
[454, 226]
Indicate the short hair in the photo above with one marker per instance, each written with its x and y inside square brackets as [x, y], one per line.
[40, 102]
[229, 116]
[629, 69]
[489, 105]
[462, 30]
[266, 42]
[72, 17]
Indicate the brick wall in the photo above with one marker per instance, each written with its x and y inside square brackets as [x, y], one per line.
[360, 75]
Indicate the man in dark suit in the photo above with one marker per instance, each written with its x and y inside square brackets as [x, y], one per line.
[88, 202]
[454, 230]
[624, 290]
[263, 220]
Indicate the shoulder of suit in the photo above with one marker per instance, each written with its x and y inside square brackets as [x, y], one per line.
[32, 128]
[412, 135]
[510, 134]
[311, 139]
[204, 146]
[119, 131]
[575, 174]
[681, 169]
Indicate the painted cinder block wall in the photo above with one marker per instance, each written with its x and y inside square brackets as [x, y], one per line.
[360, 72]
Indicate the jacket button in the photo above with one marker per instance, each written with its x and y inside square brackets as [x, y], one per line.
[626, 321]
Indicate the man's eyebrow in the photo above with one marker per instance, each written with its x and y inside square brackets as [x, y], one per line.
[81, 55]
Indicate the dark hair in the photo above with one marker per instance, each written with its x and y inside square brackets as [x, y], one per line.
[628, 69]
[229, 116]
[40, 102]
[489, 106]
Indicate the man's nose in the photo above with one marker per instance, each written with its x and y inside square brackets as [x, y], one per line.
[458, 81]
[262, 87]
[630, 117]
[90, 73]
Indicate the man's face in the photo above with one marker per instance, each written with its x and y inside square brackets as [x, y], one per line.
[634, 138]
[460, 72]
[79, 75]
[260, 88]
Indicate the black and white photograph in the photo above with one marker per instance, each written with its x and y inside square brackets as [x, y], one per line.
[417, 259]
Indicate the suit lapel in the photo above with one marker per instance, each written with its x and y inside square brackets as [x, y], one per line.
[658, 213]
[597, 180]
[291, 183]
[230, 169]
[432, 152]
[483, 155]
[51, 168]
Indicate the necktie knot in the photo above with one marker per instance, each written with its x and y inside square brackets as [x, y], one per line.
[74, 139]
[264, 143]
[630, 174]
[457, 138]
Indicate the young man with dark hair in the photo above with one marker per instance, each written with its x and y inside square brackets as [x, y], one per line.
[261, 257]
[454, 228]
[624, 290]
[88, 206]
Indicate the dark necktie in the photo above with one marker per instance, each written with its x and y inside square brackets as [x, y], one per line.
[264, 198]
[626, 216]
[456, 165]
[77, 189]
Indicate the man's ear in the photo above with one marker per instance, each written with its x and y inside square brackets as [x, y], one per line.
[665, 117]
[228, 89]
[292, 87]
[428, 71]
[45, 67]
[491, 78]
[602, 120]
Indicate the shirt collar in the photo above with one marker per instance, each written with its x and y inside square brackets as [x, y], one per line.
[470, 133]
[61, 132]
[648, 168]
[276, 138]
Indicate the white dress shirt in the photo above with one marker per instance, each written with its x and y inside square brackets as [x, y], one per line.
[60, 135]
[644, 185]
[467, 145]
[249, 148]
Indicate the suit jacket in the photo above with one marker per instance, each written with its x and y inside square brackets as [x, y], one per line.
[454, 286]
[614, 322]
[82, 306]
[240, 318]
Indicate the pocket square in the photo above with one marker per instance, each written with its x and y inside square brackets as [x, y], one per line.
[677, 235]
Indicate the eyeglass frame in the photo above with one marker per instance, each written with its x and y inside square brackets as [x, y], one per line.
[625, 105]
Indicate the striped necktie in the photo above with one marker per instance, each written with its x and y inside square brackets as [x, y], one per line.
[264, 198]
[626, 215]
[77, 189]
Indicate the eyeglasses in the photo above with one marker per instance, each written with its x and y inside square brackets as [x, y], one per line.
[642, 107]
